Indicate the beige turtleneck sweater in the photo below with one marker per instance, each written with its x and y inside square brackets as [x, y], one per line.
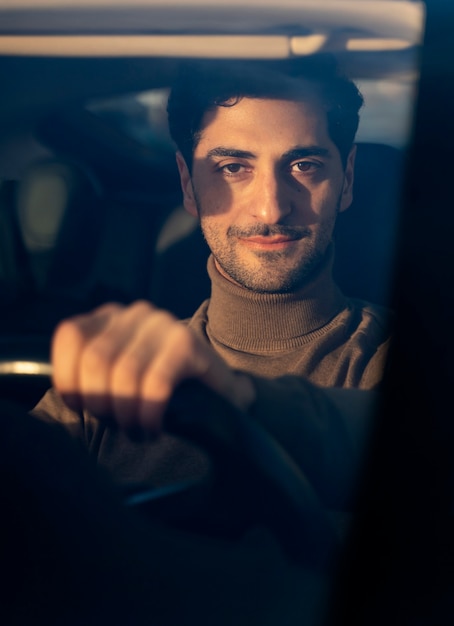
[316, 332]
[311, 354]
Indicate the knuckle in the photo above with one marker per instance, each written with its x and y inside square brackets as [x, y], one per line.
[67, 334]
[143, 305]
[96, 356]
[108, 308]
[163, 320]
[183, 338]
[125, 373]
[157, 328]
[140, 309]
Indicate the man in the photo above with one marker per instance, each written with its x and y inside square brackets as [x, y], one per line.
[266, 163]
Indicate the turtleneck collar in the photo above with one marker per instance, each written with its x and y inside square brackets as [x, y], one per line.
[255, 322]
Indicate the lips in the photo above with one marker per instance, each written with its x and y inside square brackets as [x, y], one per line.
[269, 240]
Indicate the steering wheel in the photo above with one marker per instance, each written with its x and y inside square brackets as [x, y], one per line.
[256, 482]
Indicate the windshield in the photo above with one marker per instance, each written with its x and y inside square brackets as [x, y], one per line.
[101, 204]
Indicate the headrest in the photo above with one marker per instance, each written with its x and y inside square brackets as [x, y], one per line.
[47, 191]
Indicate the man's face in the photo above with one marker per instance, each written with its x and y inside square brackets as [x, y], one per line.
[267, 183]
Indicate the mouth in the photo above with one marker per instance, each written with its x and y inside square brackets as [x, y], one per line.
[269, 242]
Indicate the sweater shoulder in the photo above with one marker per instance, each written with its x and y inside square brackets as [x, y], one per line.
[378, 314]
[374, 321]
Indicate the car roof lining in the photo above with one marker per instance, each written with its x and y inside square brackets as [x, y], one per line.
[255, 46]
[385, 18]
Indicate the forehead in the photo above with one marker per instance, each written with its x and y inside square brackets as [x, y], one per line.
[256, 123]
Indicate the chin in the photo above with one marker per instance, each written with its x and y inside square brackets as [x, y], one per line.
[274, 284]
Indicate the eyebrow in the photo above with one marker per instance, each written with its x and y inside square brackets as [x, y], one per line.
[299, 152]
[220, 151]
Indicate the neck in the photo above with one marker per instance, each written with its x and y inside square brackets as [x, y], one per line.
[246, 320]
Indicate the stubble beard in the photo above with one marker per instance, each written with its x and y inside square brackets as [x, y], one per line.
[273, 272]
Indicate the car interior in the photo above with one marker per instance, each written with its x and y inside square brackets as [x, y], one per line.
[91, 211]
[60, 207]
[94, 212]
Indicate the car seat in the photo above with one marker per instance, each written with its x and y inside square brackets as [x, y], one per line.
[60, 212]
[15, 271]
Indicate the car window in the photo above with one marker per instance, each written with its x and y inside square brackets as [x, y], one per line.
[386, 117]
[141, 116]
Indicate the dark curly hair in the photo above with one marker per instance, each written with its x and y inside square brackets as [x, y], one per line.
[201, 86]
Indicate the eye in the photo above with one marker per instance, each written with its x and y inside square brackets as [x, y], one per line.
[304, 166]
[232, 168]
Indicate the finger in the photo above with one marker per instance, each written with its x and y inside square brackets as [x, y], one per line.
[100, 355]
[180, 358]
[183, 357]
[137, 358]
[68, 343]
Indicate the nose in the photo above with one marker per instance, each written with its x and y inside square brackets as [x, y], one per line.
[271, 202]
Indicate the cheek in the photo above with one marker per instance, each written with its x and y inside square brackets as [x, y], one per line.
[216, 202]
[211, 207]
[214, 224]
[325, 199]
[207, 195]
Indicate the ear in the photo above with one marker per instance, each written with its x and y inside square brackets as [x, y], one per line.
[349, 174]
[186, 185]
